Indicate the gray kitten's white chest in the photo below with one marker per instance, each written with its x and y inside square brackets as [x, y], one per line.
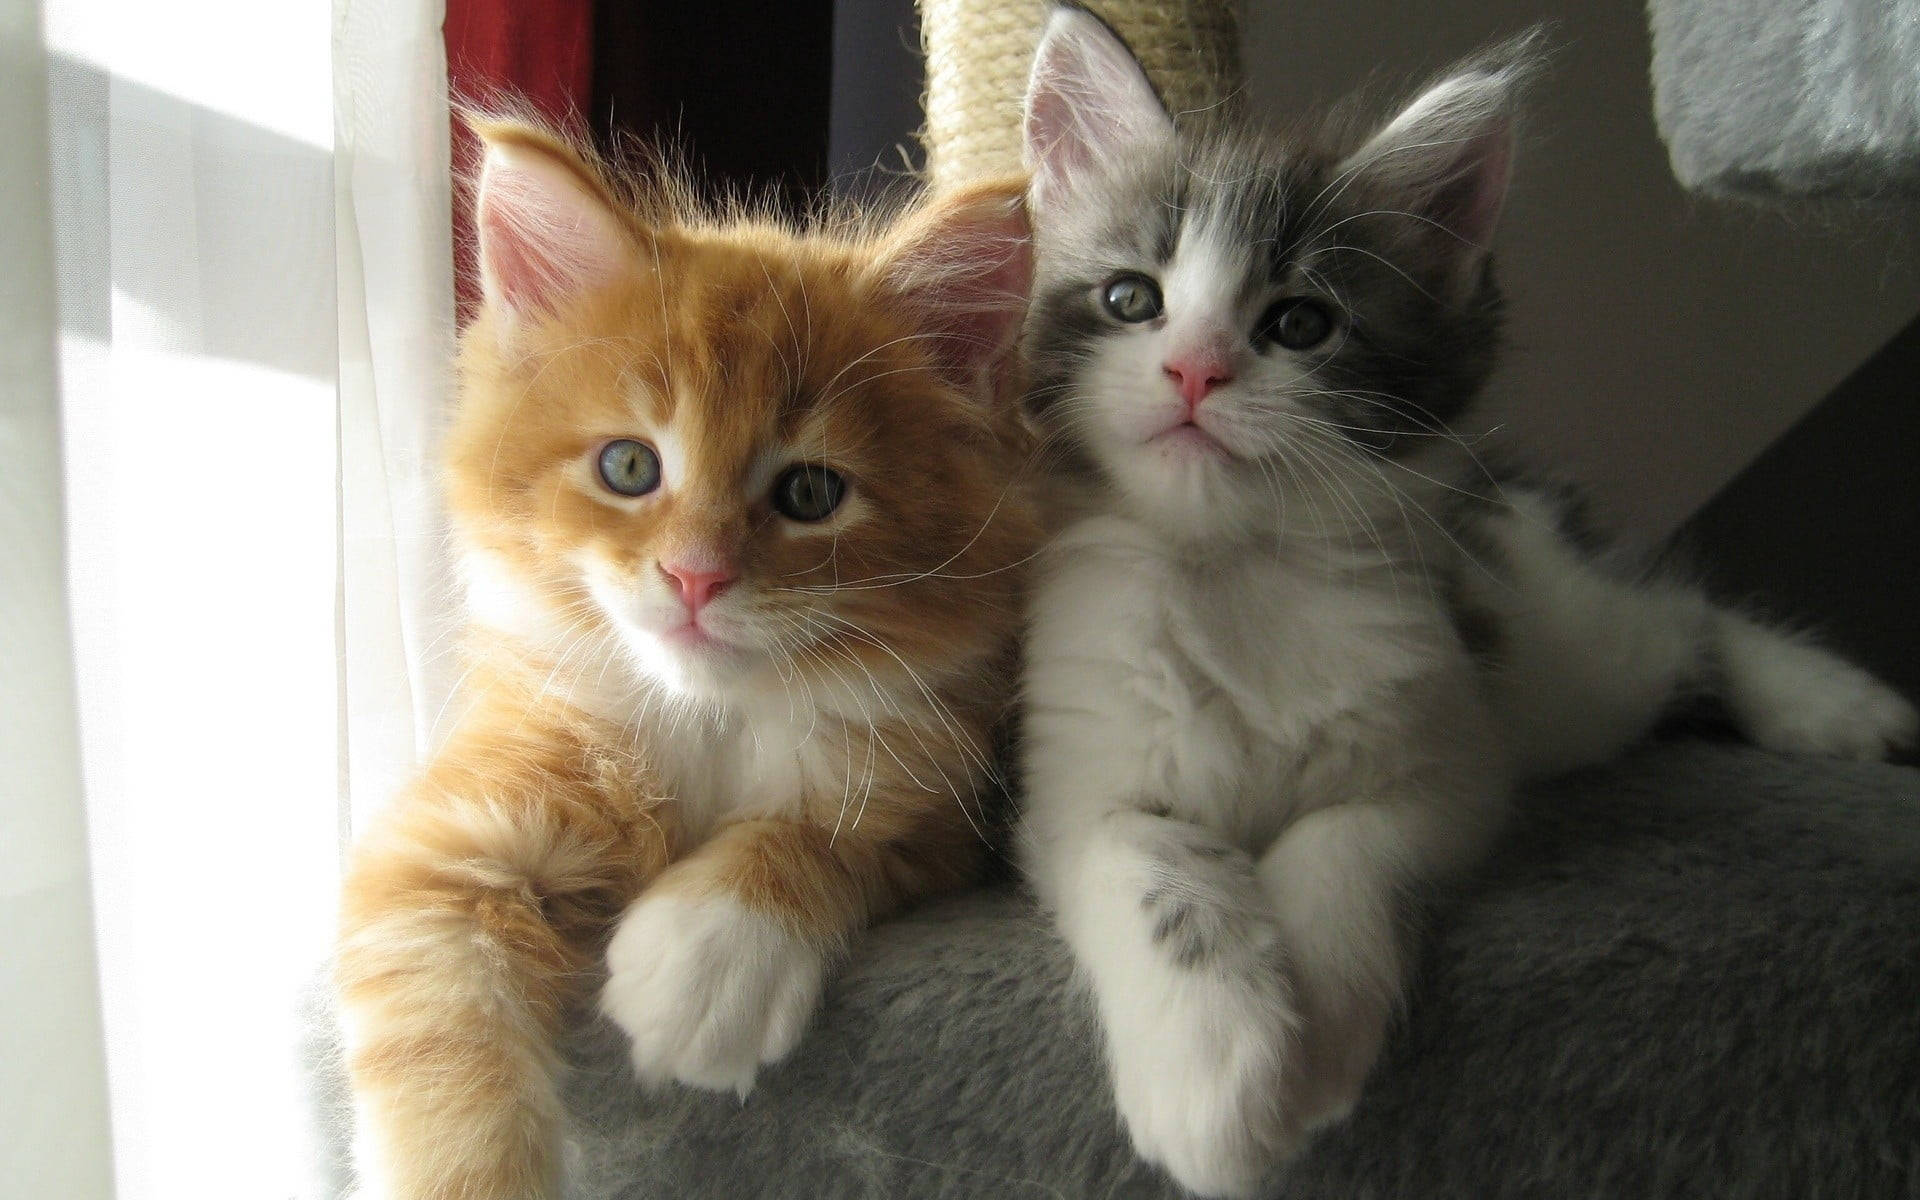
[1232, 683]
[1294, 646]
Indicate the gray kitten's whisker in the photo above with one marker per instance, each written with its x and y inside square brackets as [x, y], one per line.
[1439, 525]
[1381, 259]
[1328, 468]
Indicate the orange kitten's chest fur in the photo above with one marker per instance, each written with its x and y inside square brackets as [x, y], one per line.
[766, 760]
[779, 756]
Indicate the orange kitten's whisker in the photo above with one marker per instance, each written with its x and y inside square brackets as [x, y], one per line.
[904, 339]
[939, 707]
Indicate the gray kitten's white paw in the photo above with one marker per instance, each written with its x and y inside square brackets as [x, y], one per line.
[1860, 719]
[708, 990]
[1201, 1092]
[1795, 697]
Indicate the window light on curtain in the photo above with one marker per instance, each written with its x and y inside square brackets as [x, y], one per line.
[247, 205]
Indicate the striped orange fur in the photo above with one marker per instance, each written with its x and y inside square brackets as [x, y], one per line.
[801, 756]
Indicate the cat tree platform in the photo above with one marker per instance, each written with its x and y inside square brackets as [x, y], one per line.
[1696, 973]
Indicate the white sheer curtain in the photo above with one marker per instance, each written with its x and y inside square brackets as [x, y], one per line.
[255, 314]
[53, 1099]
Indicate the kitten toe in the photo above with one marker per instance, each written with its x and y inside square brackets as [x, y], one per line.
[708, 991]
[1218, 1129]
[1873, 722]
[1792, 695]
[1202, 1088]
[1838, 711]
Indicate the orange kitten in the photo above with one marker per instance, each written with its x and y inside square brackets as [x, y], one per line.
[740, 510]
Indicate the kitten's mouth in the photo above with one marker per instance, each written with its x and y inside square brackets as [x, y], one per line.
[693, 636]
[1187, 438]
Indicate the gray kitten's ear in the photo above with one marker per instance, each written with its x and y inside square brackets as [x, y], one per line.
[1449, 154]
[1088, 102]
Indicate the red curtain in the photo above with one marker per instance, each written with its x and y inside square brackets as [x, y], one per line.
[539, 51]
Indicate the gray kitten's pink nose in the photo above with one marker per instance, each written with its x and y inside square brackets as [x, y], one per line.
[1196, 375]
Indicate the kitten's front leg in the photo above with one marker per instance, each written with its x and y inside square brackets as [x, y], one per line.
[1344, 881]
[1173, 932]
[708, 983]
[468, 916]
[717, 968]
[1336, 894]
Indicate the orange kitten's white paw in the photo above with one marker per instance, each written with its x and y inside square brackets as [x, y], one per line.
[708, 990]
[1798, 698]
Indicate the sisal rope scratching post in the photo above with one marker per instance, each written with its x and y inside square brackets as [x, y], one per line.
[978, 52]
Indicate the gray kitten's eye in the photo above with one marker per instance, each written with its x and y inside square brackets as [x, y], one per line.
[1298, 323]
[808, 492]
[1132, 298]
[628, 467]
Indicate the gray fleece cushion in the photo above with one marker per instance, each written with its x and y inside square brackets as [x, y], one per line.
[1695, 974]
[1790, 97]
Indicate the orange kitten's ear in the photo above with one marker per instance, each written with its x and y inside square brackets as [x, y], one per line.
[549, 228]
[964, 264]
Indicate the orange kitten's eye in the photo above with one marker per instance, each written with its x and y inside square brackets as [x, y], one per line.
[808, 492]
[630, 468]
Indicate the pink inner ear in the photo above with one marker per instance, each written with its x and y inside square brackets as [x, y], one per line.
[1051, 144]
[994, 326]
[1087, 101]
[969, 276]
[516, 273]
[545, 237]
[1470, 204]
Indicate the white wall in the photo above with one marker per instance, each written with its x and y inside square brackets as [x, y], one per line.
[1658, 341]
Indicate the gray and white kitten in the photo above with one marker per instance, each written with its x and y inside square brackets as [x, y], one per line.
[1290, 651]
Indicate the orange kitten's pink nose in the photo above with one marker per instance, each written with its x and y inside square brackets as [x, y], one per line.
[1196, 375]
[697, 587]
